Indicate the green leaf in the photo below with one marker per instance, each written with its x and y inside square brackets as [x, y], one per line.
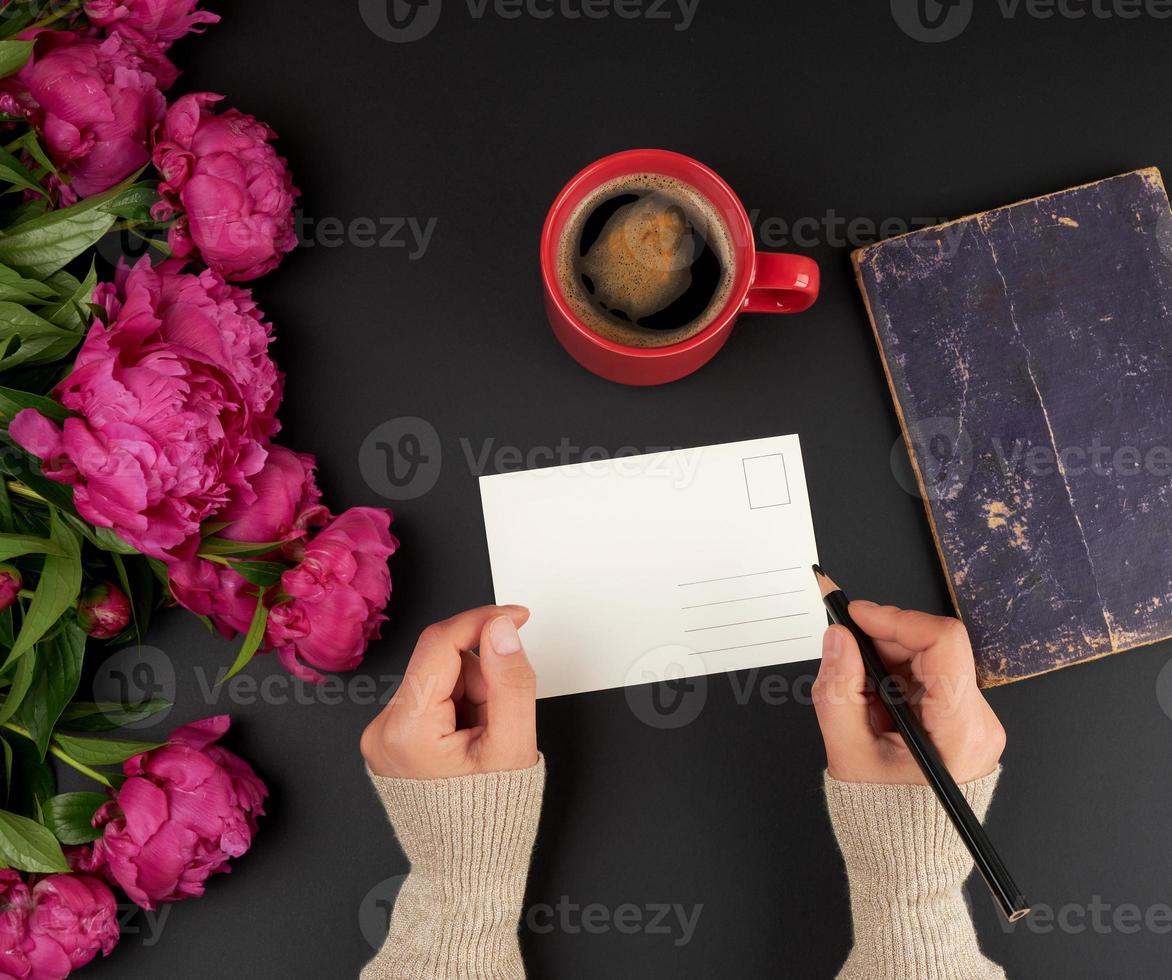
[252, 640]
[32, 145]
[15, 545]
[101, 751]
[109, 540]
[8, 761]
[22, 680]
[262, 573]
[19, 289]
[74, 313]
[160, 573]
[45, 349]
[12, 401]
[17, 319]
[27, 210]
[55, 680]
[13, 56]
[135, 203]
[70, 816]
[18, 14]
[33, 780]
[141, 588]
[27, 846]
[128, 590]
[223, 546]
[18, 176]
[105, 716]
[56, 592]
[41, 341]
[42, 245]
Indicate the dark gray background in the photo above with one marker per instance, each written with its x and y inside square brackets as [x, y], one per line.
[802, 107]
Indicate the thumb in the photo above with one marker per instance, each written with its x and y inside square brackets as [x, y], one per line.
[511, 689]
[841, 703]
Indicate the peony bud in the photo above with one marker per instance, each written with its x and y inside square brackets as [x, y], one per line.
[103, 611]
[10, 585]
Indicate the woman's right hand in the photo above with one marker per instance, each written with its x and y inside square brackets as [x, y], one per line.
[933, 659]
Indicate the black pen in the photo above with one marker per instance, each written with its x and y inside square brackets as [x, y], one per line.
[988, 861]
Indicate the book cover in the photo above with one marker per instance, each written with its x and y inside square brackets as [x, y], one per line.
[1029, 354]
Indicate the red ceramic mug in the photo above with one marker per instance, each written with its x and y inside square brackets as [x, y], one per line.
[763, 282]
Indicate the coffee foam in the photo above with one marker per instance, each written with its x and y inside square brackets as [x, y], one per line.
[640, 276]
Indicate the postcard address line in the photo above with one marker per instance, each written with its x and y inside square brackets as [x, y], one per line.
[745, 646]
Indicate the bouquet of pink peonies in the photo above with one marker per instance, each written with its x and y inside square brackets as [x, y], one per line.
[138, 467]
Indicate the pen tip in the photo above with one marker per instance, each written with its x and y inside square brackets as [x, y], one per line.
[817, 569]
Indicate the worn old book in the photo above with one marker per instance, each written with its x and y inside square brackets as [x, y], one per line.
[1029, 354]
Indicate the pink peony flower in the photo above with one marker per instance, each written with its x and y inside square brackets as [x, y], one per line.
[335, 595]
[283, 504]
[287, 501]
[185, 810]
[231, 192]
[56, 927]
[10, 585]
[95, 104]
[103, 611]
[152, 56]
[175, 399]
[226, 597]
[159, 20]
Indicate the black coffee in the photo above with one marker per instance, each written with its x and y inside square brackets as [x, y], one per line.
[646, 260]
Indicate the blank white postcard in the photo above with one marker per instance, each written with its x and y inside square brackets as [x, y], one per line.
[656, 567]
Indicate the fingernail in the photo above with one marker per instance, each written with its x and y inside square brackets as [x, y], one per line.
[502, 634]
[831, 646]
[863, 602]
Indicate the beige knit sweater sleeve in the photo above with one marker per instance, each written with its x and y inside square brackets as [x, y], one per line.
[469, 842]
[905, 865]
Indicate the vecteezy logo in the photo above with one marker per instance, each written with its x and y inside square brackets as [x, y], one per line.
[932, 21]
[401, 459]
[132, 677]
[374, 914]
[659, 690]
[128, 245]
[401, 21]
[1164, 688]
[944, 452]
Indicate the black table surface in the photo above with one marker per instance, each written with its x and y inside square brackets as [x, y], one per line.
[827, 111]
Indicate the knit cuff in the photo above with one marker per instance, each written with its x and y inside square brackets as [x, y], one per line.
[899, 835]
[477, 830]
[469, 840]
[906, 866]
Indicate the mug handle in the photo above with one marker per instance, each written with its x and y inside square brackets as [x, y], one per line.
[782, 283]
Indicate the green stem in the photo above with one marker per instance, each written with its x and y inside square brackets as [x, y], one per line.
[59, 753]
[65, 11]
